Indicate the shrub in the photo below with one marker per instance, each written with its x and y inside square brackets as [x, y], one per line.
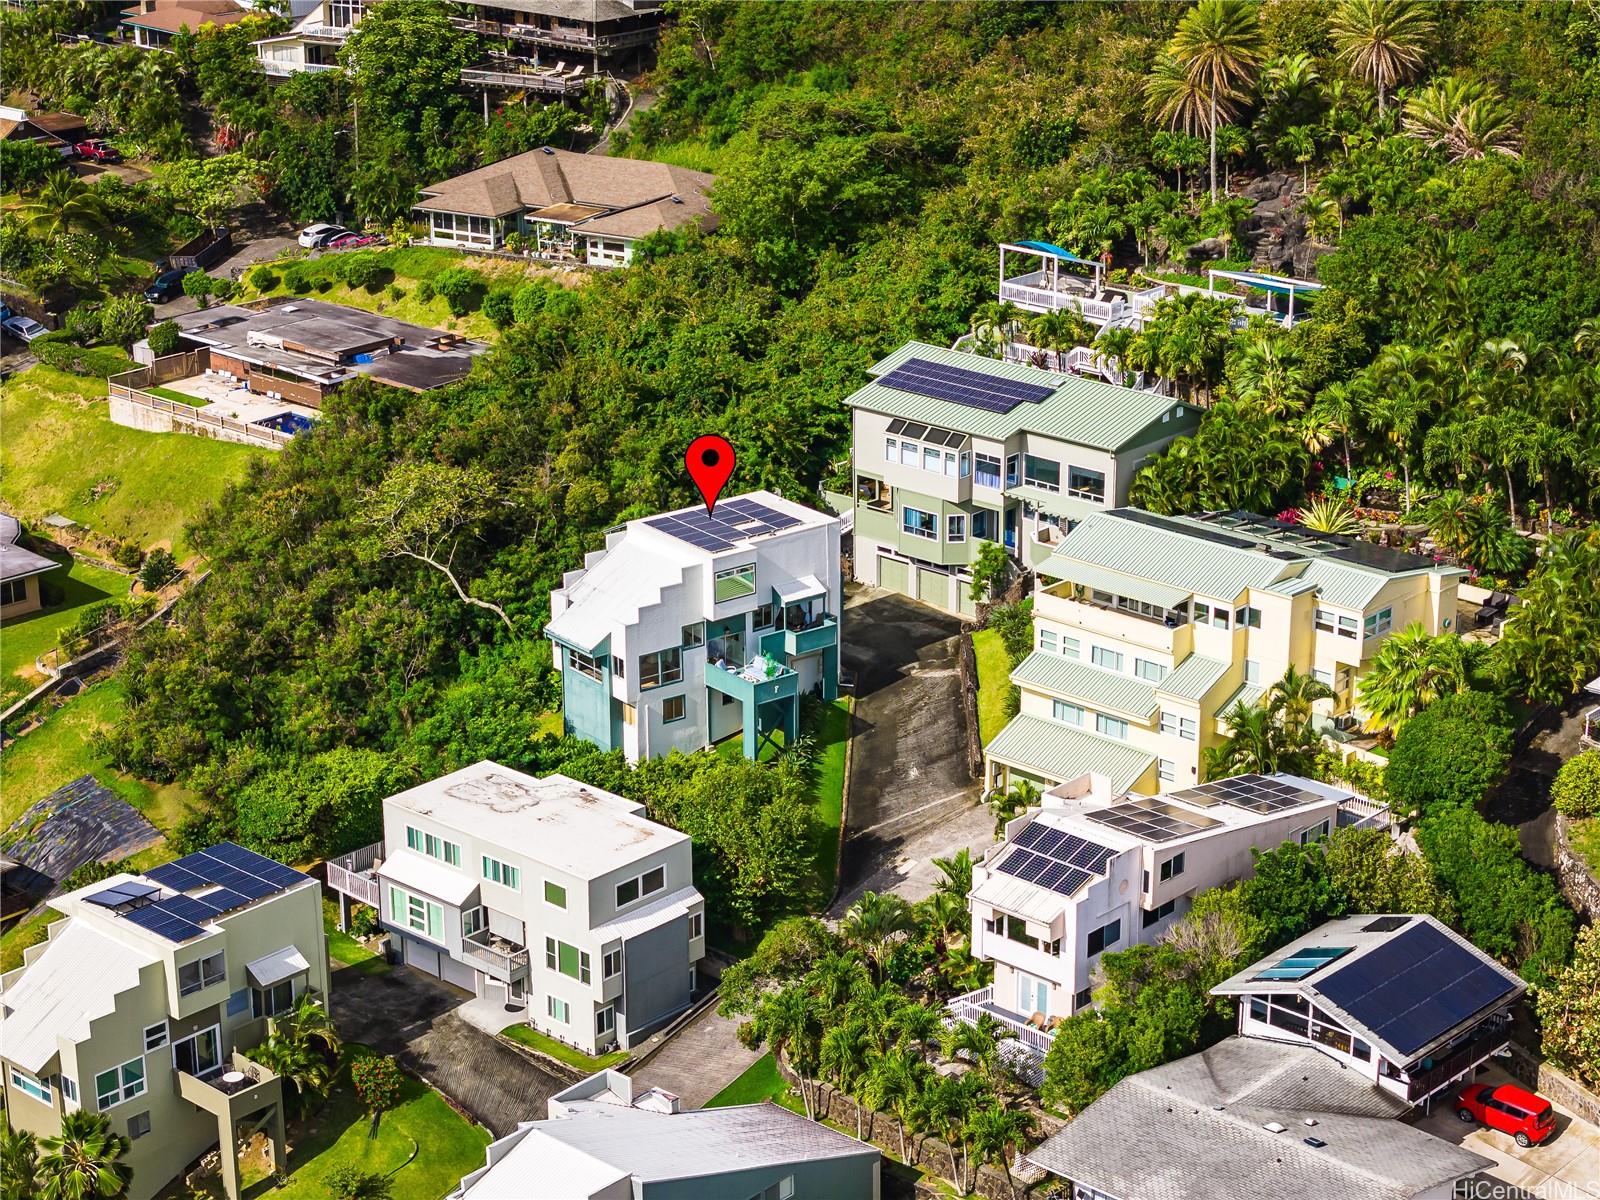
[377, 1082]
[396, 292]
[159, 569]
[322, 284]
[198, 286]
[530, 301]
[164, 338]
[124, 318]
[127, 554]
[364, 921]
[461, 288]
[83, 323]
[297, 279]
[364, 270]
[352, 1183]
[26, 164]
[1453, 752]
[1576, 791]
[223, 288]
[263, 278]
[425, 290]
[500, 307]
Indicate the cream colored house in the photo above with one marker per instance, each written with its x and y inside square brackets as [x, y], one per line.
[144, 1003]
[20, 572]
[1148, 628]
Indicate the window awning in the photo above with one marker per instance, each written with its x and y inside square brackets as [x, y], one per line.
[1280, 284]
[1057, 252]
[794, 590]
[1102, 580]
[274, 968]
[416, 873]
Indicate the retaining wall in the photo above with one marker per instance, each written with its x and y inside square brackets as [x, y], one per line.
[1554, 1085]
[1578, 883]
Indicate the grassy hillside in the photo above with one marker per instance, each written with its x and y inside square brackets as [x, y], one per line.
[26, 638]
[61, 453]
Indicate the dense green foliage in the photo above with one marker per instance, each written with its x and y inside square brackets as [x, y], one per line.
[1576, 790]
[1454, 752]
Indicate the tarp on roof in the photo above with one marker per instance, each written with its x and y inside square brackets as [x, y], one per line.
[1058, 252]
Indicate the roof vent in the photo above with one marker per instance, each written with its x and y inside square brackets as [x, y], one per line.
[1216, 1108]
[677, 199]
[1274, 1127]
[1311, 1121]
[547, 149]
[1315, 1143]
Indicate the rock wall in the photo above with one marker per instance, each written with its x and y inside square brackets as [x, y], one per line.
[1276, 230]
[1554, 1085]
[1578, 884]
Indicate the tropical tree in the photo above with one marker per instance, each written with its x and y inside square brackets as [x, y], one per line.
[948, 1101]
[955, 874]
[842, 1060]
[1449, 519]
[1231, 144]
[302, 1046]
[1291, 698]
[979, 1043]
[1255, 744]
[84, 1160]
[1179, 101]
[1218, 45]
[1330, 514]
[19, 1163]
[1267, 375]
[1382, 41]
[995, 1132]
[1403, 395]
[1410, 670]
[1569, 1010]
[895, 1079]
[874, 923]
[1551, 641]
[1464, 118]
[62, 206]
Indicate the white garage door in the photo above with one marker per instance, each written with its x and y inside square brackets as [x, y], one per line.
[422, 956]
[458, 973]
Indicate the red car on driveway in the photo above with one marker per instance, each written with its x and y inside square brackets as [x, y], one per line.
[351, 241]
[1528, 1118]
[97, 151]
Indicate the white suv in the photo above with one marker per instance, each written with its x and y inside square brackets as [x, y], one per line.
[314, 235]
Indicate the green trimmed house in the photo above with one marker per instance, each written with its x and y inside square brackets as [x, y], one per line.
[952, 450]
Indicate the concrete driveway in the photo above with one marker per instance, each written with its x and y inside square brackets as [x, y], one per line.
[1567, 1165]
[911, 798]
[411, 1017]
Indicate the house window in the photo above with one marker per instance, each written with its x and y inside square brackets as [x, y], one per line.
[583, 664]
[1112, 727]
[13, 590]
[1071, 714]
[554, 894]
[1012, 461]
[735, 583]
[1111, 660]
[697, 925]
[920, 524]
[1380, 622]
[1086, 484]
[1152, 916]
[891, 450]
[472, 920]
[950, 463]
[202, 973]
[416, 913]
[119, 1084]
[694, 635]
[985, 525]
[611, 964]
[987, 468]
[1325, 678]
[958, 528]
[1313, 832]
[502, 873]
[1041, 472]
[138, 1126]
[966, 464]
[30, 1086]
[1047, 640]
[1175, 726]
[155, 1036]
[650, 882]
[605, 1020]
[1104, 937]
[931, 457]
[661, 667]
[569, 960]
[1070, 647]
[1202, 613]
[269, 1002]
[433, 846]
[763, 616]
[1323, 620]
[1166, 770]
[1171, 868]
[559, 1010]
[616, 667]
[673, 708]
[1152, 672]
[1219, 616]
[1361, 1050]
[1252, 671]
[908, 454]
[1083, 999]
[1247, 617]
[200, 1054]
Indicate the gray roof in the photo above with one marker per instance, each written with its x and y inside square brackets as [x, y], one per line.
[575, 10]
[1060, 752]
[16, 562]
[1106, 691]
[1085, 412]
[1194, 1130]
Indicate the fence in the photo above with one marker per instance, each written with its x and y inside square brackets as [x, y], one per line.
[127, 389]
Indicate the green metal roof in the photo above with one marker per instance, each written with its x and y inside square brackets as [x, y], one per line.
[1105, 691]
[1058, 752]
[1181, 562]
[1086, 412]
[1342, 586]
[1193, 677]
[1118, 584]
[1054, 503]
[1249, 694]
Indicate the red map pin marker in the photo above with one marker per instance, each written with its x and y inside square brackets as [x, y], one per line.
[710, 462]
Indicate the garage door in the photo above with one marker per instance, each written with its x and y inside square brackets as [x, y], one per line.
[458, 973]
[422, 956]
[894, 575]
[933, 586]
[969, 606]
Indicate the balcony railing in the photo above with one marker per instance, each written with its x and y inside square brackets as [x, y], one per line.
[502, 958]
[238, 1086]
[1459, 1061]
[277, 67]
[527, 78]
[355, 874]
[579, 39]
[820, 631]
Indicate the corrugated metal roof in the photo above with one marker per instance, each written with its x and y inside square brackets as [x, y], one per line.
[1069, 678]
[1087, 412]
[612, 593]
[1194, 677]
[1249, 694]
[656, 913]
[1054, 502]
[1343, 586]
[1292, 587]
[1058, 752]
[1020, 898]
[1181, 561]
[74, 982]
[1118, 583]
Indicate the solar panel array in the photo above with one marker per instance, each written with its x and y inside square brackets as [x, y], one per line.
[238, 877]
[1253, 793]
[1152, 820]
[1054, 859]
[1385, 925]
[975, 389]
[120, 894]
[1302, 962]
[1416, 987]
[733, 521]
[926, 434]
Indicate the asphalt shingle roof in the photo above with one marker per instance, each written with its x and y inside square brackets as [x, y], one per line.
[1059, 752]
[1099, 689]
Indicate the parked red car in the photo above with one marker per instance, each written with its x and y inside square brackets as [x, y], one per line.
[97, 151]
[350, 241]
[1526, 1117]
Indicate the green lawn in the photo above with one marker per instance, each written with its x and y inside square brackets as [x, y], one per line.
[59, 751]
[22, 935]
[994, 669]
[61, 453]
[27, 638]
[343, 948]
[176, 397]
[446, 1146]
[1585, 838]
[528, 1036]
[834, 733]
[760, 1081]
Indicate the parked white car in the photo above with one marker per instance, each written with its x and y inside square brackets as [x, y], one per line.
[314, 235]
[22, 328]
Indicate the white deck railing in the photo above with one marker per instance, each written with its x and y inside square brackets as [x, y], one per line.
[355, 875]
[971, 1005]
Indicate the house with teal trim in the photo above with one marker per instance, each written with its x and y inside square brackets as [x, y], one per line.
[690, 628]
[951, 450]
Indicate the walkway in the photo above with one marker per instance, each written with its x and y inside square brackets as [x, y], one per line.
[411, 1017]
[911, 799]
[1523, 799]
[698, 1061]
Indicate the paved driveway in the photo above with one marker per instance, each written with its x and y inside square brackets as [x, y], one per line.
[911, 798]
[698, 1061]
[413, 1018]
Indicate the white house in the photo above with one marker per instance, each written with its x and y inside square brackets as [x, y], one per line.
[689, 627]
[548, 894]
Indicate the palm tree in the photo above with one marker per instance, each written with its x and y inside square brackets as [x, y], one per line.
[836, 979]
[995, 1132]
[1292, 696]
[1023, 794]
[1298, 144]
[1382, 41]
[979, 1043]
[1218, 45]
[19, 1163]
[1267, 375]
[896, 1078]
[842, 1058]
[1055, 332]
[956, 873]
[84, 1160]
[63, 205]
[875, 923]
[789, 1022]
[308, 1023]
[1231, 143]
[1254, 745]
[1405, 393]
[1335, 407]
[1465, 119]
[302, 1047]
[1409, 672]
[1449, 518]
[947, 1103]
[1178, 101]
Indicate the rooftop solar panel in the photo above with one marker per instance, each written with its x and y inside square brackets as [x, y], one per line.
[123, 893]
[1385, 925]
[162, 924]
[187, 908]
[1416, 987]
[975, 389]
[176, 876]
